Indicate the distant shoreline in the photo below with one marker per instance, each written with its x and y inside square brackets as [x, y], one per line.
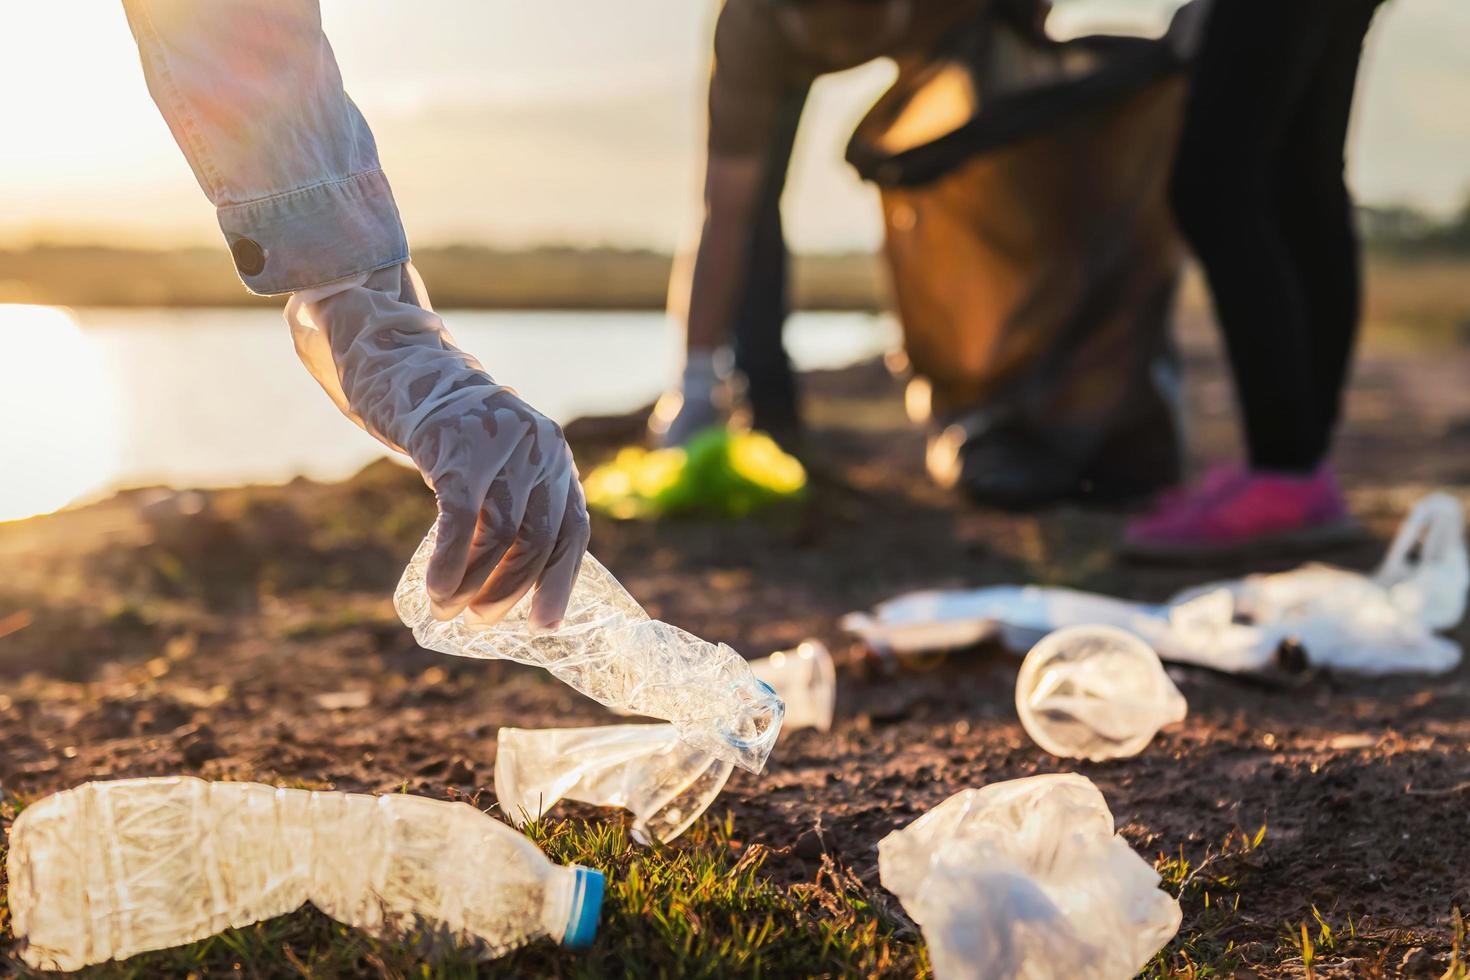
[1413, 290]
[459, 276]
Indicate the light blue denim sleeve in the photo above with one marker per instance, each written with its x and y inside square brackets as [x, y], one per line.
[251, 91]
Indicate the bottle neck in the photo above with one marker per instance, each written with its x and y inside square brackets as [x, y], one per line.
[556, 909]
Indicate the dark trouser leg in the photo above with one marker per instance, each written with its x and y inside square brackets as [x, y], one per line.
[1258, 61]
[1317, 217]
[760, 354]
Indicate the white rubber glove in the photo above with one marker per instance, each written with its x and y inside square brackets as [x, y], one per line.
[511, 511]
[700, 402]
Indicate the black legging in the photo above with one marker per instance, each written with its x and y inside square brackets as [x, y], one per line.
[1259, 192]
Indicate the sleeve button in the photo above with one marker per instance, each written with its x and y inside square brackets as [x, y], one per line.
[249, 256]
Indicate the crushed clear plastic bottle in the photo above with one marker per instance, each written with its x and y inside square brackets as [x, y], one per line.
[609, 649]
[1095, 692]
[111, 869]
[805, 679]
[1027, 879]
[645, 769]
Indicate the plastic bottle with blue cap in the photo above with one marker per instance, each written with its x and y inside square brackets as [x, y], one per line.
[111, 869]
[585, 909]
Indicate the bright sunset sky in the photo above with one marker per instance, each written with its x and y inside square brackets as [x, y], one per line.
[572, 120]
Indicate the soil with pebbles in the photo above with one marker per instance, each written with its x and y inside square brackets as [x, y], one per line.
[248, 633]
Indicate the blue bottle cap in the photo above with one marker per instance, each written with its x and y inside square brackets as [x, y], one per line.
[586, 908]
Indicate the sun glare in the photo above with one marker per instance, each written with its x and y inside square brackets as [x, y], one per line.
[58, 413]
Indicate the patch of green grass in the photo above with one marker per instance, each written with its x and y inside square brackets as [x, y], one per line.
[1311, 942]
[705, 909]
[1315, 943]
[1209, 893]
[701, 907]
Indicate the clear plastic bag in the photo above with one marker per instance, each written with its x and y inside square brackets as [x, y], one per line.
[111, 869]
[1422, 579]
[1095, 692]
[645, 769]
[1426, 572]
[1026, 879]
[609, 649]
[1343, 620]
[1379, 624]
[1019, 616]
[806, 681]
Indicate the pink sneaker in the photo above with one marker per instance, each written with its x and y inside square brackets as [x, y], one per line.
[1173, 504]
[1230, 513]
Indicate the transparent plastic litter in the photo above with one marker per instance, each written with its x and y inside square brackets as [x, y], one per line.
[1380, 624]
[1423, 578]
[1019, 616]
[111, 869]
[806, 681]
[1095, 692]
[1426, 572]
[609, 649]
[645, 769]
[1026, 880]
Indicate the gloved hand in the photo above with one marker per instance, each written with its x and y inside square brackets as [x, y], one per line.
[701, 401]
[511, 511]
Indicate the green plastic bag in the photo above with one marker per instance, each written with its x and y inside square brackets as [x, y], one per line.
[719, 474]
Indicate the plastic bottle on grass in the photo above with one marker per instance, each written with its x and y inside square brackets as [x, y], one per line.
[806, 681]
[644, 769]
[1095, 692]
[1026, 879]
[111, 869]
[610, 650]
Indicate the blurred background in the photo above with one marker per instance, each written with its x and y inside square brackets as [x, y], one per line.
[546, 159]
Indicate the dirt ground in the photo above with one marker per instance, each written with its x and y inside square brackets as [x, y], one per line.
[249, 634]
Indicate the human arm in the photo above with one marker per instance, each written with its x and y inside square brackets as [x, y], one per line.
[511, 510]
[251, 91]
[754, 108]
[732, 190]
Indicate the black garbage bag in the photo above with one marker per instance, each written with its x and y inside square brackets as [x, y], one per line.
[1033, 255]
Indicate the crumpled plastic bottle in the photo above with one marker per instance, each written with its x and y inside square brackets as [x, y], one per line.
[806, 681]
[610, 650]
[1026, 879]
[1095, 692]
[645, 769]
[111, 869]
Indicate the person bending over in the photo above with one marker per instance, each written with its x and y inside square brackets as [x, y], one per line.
[767, 53]
[1035, 292]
